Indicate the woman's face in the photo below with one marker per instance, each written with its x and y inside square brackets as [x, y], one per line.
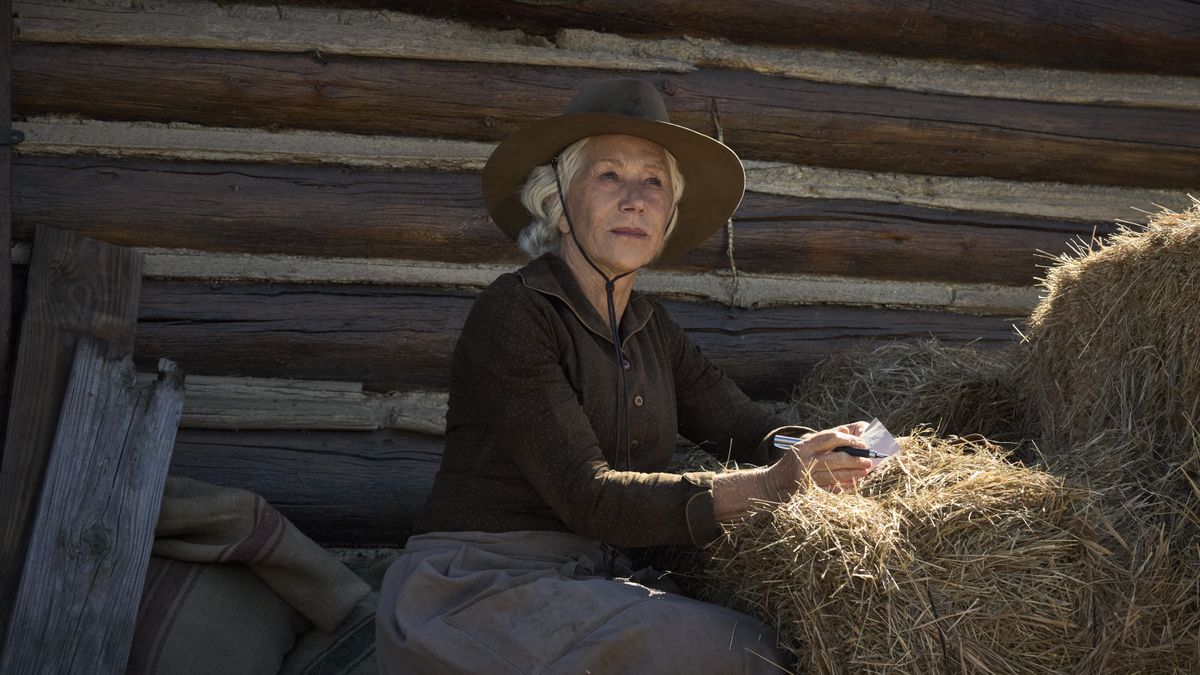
[620, 202]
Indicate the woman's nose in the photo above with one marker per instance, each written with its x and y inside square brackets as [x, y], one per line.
[634, 198]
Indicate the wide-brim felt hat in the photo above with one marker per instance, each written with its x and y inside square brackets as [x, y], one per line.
[714, 179]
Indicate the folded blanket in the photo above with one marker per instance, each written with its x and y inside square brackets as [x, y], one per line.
[206, 523]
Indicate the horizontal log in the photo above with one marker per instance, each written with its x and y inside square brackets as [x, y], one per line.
[358, 32]
[247, 403]
[733, 289]
[439, 217]
[149, 140]
[761, 117]
[200, 24]
[391, 340]
[1022, 83]
[1156, 36]
[340, 488]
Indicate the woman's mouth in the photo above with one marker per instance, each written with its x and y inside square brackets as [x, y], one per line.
[629, 232]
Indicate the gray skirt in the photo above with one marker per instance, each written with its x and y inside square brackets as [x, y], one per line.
[540, 602]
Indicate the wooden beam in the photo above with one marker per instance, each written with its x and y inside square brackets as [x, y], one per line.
[371, 484]
[6, 295]
[391, 339]
[358, 32]
[1157, 36]
[760, 116]
[77, 287]
[908, 74]
[76, 605]
[247, 403]
[742, 290]
[207, 29]
[185, 143]
[335, 213]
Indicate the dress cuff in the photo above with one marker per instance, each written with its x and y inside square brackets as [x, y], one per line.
[701, 519]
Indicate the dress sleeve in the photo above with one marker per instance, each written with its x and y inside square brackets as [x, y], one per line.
[713, 412]
[513, 355]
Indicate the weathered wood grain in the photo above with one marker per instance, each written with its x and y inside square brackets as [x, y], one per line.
[76, 287]
[439, 216]
[389, 338]
[77, 600]
[201, 24]
[246, 403]
[55, 136]
[1156, 36]
[6, 308]
[761, 117]
[340, 488]
[363, 32]
[740, 290]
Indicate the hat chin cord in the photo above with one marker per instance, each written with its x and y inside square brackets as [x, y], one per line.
[609, 285]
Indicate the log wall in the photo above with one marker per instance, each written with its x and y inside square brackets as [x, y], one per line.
[303, 183]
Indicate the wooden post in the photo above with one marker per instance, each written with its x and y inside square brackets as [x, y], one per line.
[76, 604]
[6, 282]
[77, 286]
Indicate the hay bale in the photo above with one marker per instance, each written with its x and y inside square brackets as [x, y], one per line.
[953, 390]
[948, 558]
[1148, 608]
[1115, 343]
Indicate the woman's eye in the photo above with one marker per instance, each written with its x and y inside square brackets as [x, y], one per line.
[609, 175]
[654, 180]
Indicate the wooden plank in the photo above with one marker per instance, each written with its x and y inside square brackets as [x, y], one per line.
[359, 32]
[100, 24]
[149, 140]
[6, 297]
[740, 290]
[371, 484]
[931, 76]
[391, 339]
[77, 287]
[76, 606]
[1154, 36]
[439, 217]
[246, 403]
[762, 117]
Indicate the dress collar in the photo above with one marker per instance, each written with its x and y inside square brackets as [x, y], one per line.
[551, 276]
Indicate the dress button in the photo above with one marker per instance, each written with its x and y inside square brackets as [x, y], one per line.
[626, 364]
[637, 400]
[634, 445]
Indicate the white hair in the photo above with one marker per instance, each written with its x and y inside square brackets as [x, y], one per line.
[541, 200]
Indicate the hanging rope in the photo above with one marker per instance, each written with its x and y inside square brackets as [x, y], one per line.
[716, 117]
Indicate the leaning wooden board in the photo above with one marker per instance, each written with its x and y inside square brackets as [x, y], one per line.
[77, 601]
[77, 287]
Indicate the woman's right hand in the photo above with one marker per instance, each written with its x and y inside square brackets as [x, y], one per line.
[813, 461]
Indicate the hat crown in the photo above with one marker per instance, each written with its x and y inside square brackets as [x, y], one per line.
[630, 98]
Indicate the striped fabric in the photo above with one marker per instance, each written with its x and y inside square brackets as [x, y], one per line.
[210, 618]
[231, 584]
[206, 523]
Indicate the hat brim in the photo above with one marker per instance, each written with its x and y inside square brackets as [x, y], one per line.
[714, 179]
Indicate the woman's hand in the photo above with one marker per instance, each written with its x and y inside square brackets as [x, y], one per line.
[809, 462]
[813, 461]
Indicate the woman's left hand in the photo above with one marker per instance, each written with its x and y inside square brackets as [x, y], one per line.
[812, 461]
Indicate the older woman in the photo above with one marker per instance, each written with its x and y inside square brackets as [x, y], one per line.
[567, 392]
